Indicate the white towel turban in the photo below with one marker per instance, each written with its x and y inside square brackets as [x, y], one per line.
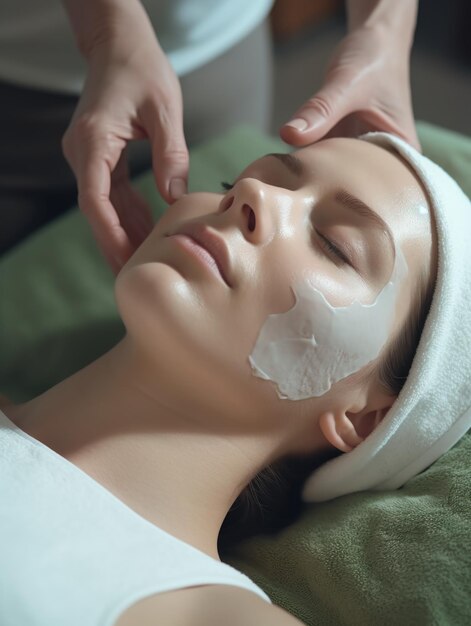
[433, 409]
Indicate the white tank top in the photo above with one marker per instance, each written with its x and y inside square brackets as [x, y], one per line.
[71, 553]
[38, 49]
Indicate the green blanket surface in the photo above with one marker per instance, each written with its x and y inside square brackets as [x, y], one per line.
[400, 557]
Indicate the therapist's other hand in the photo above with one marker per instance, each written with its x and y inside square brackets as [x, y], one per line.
[366, 88]
[130, 92]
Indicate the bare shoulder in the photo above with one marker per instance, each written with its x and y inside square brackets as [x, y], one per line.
[207, 605]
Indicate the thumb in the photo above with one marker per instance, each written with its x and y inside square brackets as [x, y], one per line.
[319, 114]
[170, 160]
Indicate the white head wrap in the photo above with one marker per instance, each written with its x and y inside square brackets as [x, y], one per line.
[433, 409]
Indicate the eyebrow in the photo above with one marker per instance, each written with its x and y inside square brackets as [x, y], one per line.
[351, 202]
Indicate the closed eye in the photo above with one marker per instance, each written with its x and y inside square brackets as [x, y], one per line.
[327, 244]
[342, 259]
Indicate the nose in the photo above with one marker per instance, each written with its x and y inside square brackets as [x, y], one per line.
[250, 204]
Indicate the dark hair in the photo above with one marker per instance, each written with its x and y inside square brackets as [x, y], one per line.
[272, 499]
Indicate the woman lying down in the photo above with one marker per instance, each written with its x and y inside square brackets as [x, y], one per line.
[318, 308]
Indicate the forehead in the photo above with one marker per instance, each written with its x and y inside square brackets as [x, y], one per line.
[372, 173]
[372, 166]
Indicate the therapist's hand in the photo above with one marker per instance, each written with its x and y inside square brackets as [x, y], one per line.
[130, 92]
[366, 88]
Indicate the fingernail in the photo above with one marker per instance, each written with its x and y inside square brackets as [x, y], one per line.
[177, 188]
[298, 123]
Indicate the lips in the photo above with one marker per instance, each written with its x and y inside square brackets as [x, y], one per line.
[213, 243]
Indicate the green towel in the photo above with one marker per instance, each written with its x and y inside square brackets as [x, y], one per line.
[400, 557]
[370, 558]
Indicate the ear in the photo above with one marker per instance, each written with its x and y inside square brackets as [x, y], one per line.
[346, 429]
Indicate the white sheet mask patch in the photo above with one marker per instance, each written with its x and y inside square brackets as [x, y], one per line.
[307, 349]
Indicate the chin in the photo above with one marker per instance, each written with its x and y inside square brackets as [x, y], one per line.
[155, 302]
[192, 359]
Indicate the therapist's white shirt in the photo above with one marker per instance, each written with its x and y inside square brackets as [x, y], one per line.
[37, 46]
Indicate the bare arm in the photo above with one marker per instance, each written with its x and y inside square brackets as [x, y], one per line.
[95, 20]
[397, 15]
[207, 605]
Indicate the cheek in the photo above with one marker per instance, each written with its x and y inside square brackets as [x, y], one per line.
[186, 208]
[168, 316]
[200, 350]
[147, 296]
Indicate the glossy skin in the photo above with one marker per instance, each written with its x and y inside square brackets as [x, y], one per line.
[171, 420]
[282, 247]
[131, 92]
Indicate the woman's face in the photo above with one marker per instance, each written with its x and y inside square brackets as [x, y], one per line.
[270, 231]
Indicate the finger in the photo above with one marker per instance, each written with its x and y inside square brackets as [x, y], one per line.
[378, 120]
[320, 113]
[170, 160]
[94, 202]
[409, 134]
[133, 211]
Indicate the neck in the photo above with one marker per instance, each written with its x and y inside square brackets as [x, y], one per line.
[169, 462]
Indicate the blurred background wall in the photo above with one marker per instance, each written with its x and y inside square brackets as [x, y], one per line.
[307, 31]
